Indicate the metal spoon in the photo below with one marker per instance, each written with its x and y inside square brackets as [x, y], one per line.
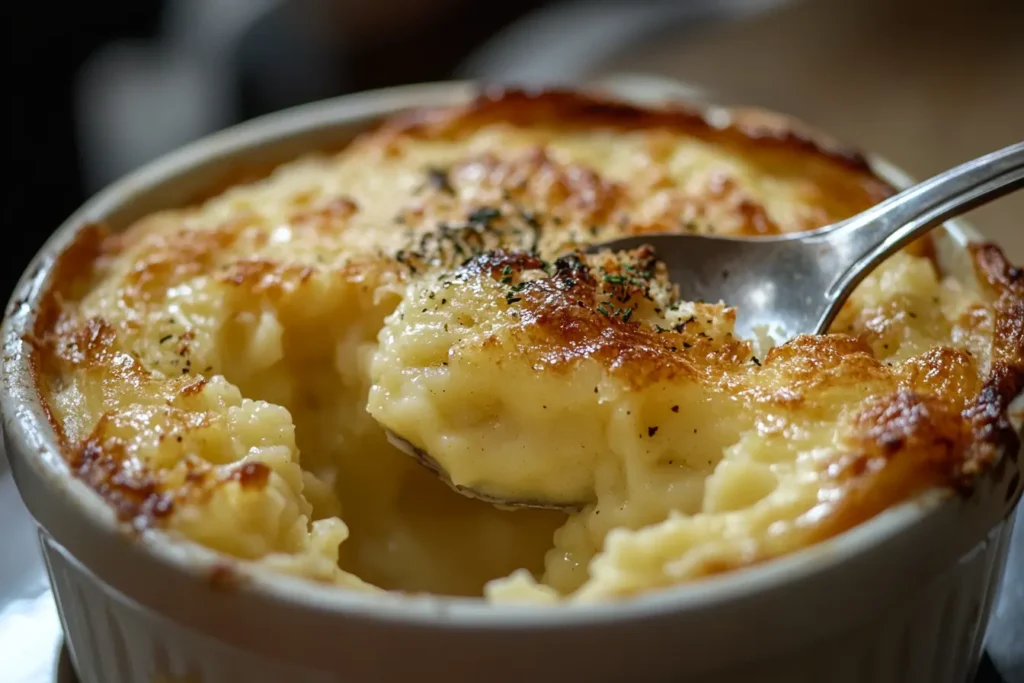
[796, 283]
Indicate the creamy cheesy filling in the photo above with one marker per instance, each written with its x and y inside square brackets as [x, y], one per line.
[227, 371]
[586, 382]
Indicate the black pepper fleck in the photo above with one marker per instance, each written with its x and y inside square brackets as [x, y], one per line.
[437, 178]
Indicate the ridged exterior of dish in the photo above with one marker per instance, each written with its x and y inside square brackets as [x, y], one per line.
[934, 636]
[115, 640]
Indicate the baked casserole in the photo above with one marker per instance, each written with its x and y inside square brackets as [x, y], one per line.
[227, 370]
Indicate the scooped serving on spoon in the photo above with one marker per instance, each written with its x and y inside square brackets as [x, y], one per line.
[639, 302]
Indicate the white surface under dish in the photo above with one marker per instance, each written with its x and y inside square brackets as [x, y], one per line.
[30, 631]
[900, 599]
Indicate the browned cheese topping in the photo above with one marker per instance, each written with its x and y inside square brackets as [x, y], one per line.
[226, 370]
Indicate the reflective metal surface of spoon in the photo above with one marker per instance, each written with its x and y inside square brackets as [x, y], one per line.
[434, 466]
[796, 283]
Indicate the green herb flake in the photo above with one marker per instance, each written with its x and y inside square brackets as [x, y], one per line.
[484, 215]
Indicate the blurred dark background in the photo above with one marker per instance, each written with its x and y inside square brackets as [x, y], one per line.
[47, 49]
[99, 88]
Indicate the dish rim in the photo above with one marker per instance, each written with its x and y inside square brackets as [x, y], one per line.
[27, 427]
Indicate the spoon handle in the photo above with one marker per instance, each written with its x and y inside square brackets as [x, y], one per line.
[873, 235]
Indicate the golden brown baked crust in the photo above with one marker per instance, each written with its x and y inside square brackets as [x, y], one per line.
[494, 189]
[843, 182]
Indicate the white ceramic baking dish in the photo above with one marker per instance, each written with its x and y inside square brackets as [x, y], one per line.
[903, 598]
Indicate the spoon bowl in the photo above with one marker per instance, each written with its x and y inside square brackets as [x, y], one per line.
[776, 284]
[796, 283]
